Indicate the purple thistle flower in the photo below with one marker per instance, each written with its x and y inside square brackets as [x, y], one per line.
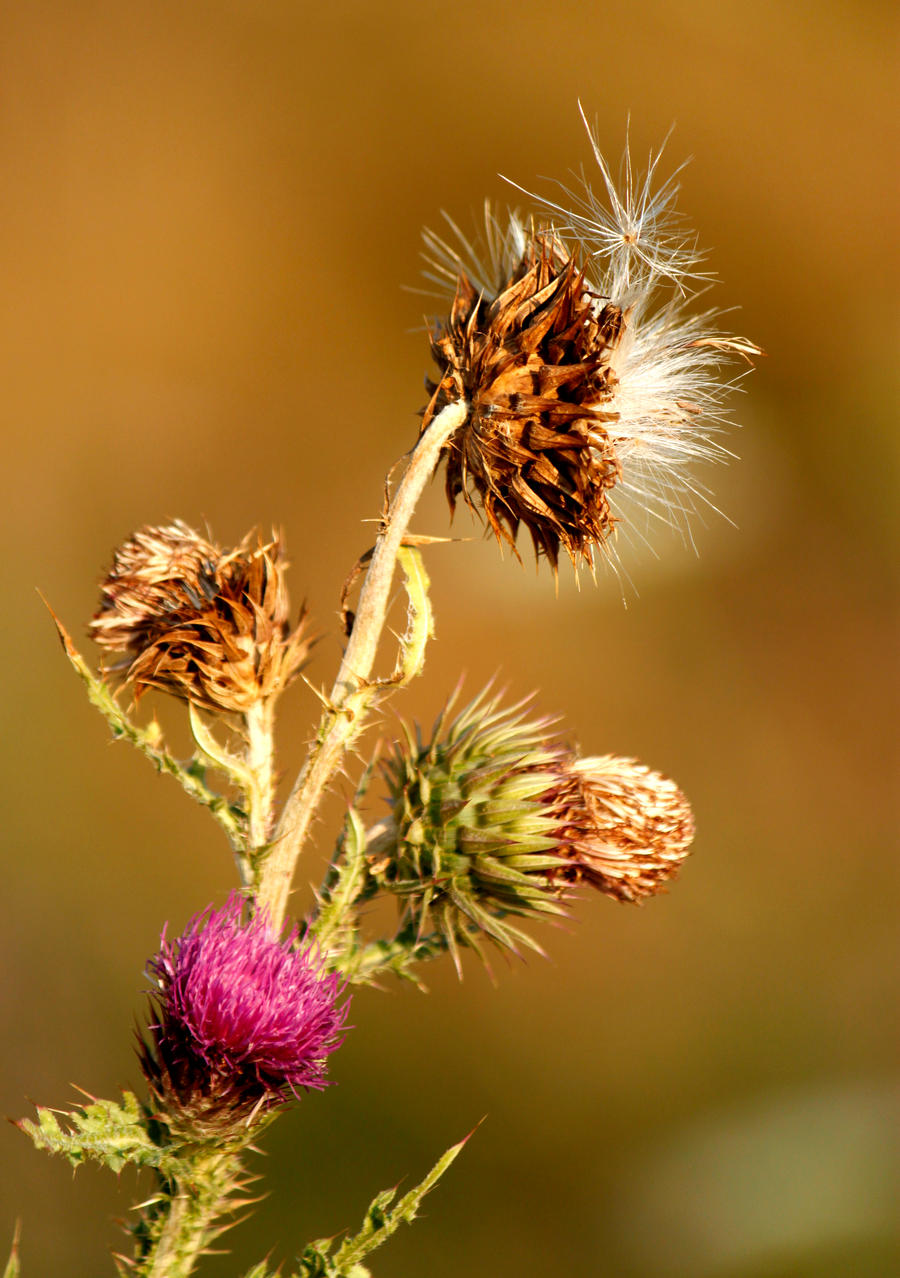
[242, 1020]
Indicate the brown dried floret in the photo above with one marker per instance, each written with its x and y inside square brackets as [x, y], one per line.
[630, 830]
[534, 365]
[208, 626]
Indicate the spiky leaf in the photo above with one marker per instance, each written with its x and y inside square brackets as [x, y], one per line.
[12, 1269]
[190, 776]
[107, 1132]
[381, 1220]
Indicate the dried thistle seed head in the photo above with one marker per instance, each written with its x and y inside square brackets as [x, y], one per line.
[632, 828]
[208, 626]
[475, 815]
[589, 386]
[533, 363]
[158, 571]
[241, 1021]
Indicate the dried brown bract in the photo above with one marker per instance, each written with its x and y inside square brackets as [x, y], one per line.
[208, 626]
[630, 830]
[534, 365]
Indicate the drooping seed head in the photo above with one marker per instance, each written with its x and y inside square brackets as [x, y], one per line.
[209, 626]
[590, 387]
[241, 1021]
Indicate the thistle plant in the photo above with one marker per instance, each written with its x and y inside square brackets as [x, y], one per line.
[574, 390]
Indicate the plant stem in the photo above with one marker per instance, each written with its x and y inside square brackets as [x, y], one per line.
[352, 695]
[191, 1208]
[259, 759]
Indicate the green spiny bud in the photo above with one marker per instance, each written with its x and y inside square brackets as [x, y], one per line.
[476, 822]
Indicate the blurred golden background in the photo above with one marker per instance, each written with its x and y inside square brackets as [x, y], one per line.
[209, 213]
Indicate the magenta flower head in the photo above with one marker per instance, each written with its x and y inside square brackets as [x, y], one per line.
[242, 1021]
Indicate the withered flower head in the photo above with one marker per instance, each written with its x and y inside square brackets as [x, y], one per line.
[586, 387]
[241, 1021]
[633, 828]
[494, 818]
[209, 626]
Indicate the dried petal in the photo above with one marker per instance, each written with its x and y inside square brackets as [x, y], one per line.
[207, 626]
[634, 831]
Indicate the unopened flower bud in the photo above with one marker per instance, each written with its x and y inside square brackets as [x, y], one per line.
[495, 818]
[241, 1021]
[209, 626]
[472, 838]
[586, 390]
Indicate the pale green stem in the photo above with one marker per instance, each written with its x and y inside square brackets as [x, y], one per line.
[191, 1214]
[260, 795]
[348, 703]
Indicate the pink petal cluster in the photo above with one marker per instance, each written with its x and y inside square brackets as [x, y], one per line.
[240, 1012]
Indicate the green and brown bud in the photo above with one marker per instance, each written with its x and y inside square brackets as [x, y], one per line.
[208, 626]
[494, 818]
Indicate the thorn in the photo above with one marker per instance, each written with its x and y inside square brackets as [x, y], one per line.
[323, 699]
[465, 1139]
[64, 636]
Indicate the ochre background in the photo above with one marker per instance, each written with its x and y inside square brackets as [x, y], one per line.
[209, 212]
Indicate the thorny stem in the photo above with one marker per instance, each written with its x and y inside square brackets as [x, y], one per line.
[399, 955]
[348, 703]
[190, 1215]
[259, 759]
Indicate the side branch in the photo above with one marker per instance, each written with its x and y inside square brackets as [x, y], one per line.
[190, 776]
[351, 695]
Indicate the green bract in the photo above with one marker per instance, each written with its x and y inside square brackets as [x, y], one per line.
[477, 821]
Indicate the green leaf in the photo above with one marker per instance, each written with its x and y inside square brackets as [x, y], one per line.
[346, 879]
[315, 1262]
[381, 1220]
[364, 964]
[107, 1132]
[420, 618]
[12, 1269]
[189, 776]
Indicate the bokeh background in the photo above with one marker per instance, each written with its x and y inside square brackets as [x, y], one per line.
[209, 212]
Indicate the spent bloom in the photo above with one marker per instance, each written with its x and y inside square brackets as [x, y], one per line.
[590, 385]
[209, 626]
[635, 828]
[495, 818]
[241, 1020]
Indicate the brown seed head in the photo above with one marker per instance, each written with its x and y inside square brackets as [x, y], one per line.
[207, 626]
[630, 828]
[534, 364]
[593, 387]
